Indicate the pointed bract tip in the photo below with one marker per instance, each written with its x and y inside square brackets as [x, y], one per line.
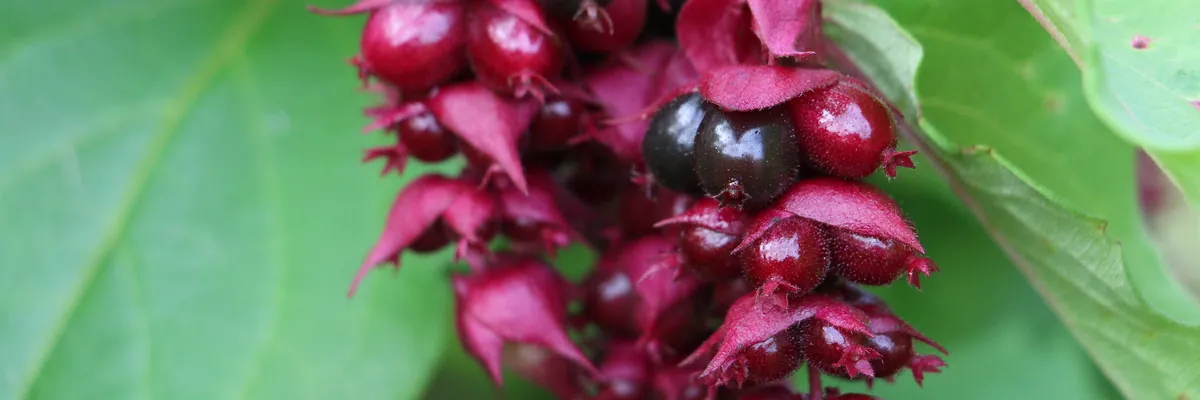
[925, 363]
[916, 266]
[357, 8]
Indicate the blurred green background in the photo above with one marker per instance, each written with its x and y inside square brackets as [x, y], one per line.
[182, 209]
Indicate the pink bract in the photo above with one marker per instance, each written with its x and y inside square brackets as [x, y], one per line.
[488, 122]
[517, 301]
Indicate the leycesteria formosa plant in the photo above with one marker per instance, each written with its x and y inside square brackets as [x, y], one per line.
[714, 166]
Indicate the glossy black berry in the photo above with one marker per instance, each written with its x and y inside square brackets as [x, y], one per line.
[669, 144]
[747, 159]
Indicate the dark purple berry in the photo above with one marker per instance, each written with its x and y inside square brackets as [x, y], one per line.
[670, 141]
[556, 123]
[747, 158]
[843, 130]
[510, 55]
[414, 46]
[426, 139]
[791, 256]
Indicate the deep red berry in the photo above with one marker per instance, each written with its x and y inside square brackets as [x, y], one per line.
[895, 350]
[556, 123]
[791, 256]
[875, 261]
[747, 158]
[844, 131]
[610, 302]
[670, 142]
[709, 252]
[426, 139]
[851, 294]
[867, 260]
[772, 359]
[566, 9]
[679, 329]
[433, 239]
[510, 55]
[836, 351]
[413, 46]
[597, 175]
[639, 211]
[475, 158]
[624, 24]
[625, 372]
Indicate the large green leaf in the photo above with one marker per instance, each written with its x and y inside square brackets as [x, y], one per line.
[1149, 95]
[996, 85]
[181, 209]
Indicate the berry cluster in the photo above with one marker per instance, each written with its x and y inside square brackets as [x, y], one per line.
[709, 151]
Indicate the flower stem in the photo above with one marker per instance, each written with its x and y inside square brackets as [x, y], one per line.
[814, 383]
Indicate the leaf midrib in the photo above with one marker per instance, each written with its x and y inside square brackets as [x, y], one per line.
[227, 46]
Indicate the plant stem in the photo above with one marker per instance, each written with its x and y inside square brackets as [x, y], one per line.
[814, 383]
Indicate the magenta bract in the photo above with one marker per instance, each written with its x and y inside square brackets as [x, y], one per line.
[747, 324]
[716, 33]
[517, 301]
[708, 213]
[622, 89]
[488, 122]
[773, 85]
[539, 208]
[787, 28]
[415, 209]
[854, 206]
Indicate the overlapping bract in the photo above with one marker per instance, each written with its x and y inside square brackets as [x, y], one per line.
[549, 102]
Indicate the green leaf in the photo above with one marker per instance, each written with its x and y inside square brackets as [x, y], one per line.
[1150, 96]
[996, 85]
[182, 209]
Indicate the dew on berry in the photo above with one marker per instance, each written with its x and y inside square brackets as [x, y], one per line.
[747, 158]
